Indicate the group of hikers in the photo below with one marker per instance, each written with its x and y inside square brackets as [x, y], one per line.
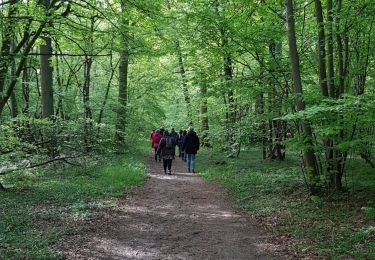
[164, 144]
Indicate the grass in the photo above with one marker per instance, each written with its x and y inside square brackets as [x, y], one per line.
[333, 226]
[44, 206]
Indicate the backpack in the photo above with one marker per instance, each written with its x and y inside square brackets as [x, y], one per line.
[169, 142]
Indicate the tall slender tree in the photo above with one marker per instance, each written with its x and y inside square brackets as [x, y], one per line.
[123, 74]
[304, 125]
[46, 69]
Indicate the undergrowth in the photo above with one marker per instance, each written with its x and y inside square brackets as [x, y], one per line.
[43, 205]
[335, 225]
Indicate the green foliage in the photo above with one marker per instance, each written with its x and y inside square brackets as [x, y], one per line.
[209, 38]
[56, 202]
[333, 226]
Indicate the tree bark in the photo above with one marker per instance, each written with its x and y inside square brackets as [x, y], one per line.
[26, 89]
[123, 79]
[113, 69]
[203, 115]
[6, 46]
[86, 88]
[340, 52]
[182, 71]
[330, 63]
[12, 83]
[46, 71]
[321, 49]
[228, 77]
[5, 55]
[185, 89]
[308, 155]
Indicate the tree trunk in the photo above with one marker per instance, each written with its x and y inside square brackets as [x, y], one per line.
[122, 96]
[101, 113]
[13, 99]
[331, 82]
[46, 71]
[228, 76]
[123, 80]
[20, 67]
[340, 53]
[59, 106]
[6, 44]
[230, 103]
[6, 59]
[203, 115]
[46, 78]
[86, 88]
[308, 155]
[260, 112]
[321, 49]
[86, 103]
[26, 89]
[182, 71]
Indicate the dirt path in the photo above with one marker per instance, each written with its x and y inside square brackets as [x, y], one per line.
[173, 217]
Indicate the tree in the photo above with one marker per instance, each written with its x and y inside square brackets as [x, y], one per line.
[46, 70]
[304, 125]
[123, 75]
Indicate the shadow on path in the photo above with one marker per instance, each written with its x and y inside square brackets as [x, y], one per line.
[178, 216]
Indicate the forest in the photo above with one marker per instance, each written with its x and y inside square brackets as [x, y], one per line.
[280, 92]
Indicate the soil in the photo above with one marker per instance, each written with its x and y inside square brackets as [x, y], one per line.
[178, 216]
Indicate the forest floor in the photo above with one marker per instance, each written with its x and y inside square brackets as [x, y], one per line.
[178, 216]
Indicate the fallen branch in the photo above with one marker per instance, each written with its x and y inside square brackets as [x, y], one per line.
[52, 160]
[64, 159]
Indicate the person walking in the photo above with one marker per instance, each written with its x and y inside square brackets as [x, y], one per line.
[156, 137]
[182, 140]
[174, 135]
[167, 149]
[191, 147]
[161, 130]
[179, 143]
[151, 135]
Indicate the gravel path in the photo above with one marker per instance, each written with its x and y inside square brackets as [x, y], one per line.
[180, 216]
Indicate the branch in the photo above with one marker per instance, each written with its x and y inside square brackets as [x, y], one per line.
[7, 2]
[64, 159]
[65, 54]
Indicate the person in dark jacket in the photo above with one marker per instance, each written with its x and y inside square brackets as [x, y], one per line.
[161, 130]
[167, 149]
[174, 135]
[191, 147]
[182, 140]
[179, 143]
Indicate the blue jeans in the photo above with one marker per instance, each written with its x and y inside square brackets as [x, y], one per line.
[179, 150]
[183, 155]
[191, 161]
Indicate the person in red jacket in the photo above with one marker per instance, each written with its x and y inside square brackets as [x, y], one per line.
[152, 133]
[156, 137]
